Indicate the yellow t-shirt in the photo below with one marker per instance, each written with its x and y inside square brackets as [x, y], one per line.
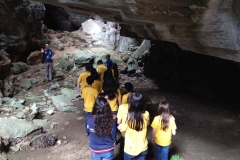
[114, 103]
[101, 69]
[125, 98]
[163, 138]
[135, 141]
[97, 85]
[122, 110]
[89, 95]
[83, 79]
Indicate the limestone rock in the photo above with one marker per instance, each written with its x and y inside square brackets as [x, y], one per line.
[34, 58]
[8, 87]
[3, 156]
[21, 115]
[33, 99]
[21, 29]
[64, 63]
[5, 65]
[83, 57]
[125, 42]
[42, 123]
[70, 93]
[19, 67]
[44, 28]
[16, 104]
[25, 83]
[101, 54]
[57, 45]
[14, 128]
[63, 103]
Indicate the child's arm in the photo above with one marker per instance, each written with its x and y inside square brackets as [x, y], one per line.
[174, 132]
[78, 86]
[153, 134]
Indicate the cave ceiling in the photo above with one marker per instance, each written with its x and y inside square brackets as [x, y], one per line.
[210, 27]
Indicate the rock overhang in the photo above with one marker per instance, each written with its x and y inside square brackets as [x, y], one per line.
[207, 27]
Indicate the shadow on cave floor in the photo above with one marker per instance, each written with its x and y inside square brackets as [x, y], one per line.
[206, 130]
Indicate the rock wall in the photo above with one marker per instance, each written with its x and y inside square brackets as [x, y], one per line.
[20, 27]
[209, 27]
[174, 68]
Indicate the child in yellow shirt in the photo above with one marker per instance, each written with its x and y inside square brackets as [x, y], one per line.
[97, 84]
[89, 94]
[134, 125]
[163, 127]
[82, 78]
[129, 88]
[101, 69]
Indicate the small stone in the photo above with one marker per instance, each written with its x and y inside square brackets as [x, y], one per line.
[50, 112]
[59, 142]
[14, 148]
[26, 110]
[65, 142]
[21, 115]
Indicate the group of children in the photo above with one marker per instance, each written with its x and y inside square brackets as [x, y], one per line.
[106, 111]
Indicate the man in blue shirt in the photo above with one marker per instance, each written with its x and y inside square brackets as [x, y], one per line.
[109, 62]
[47, 57]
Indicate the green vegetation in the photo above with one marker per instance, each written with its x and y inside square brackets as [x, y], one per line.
[89, 1]
[176, 157]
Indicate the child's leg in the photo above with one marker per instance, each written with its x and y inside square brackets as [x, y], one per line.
[121, 148]
[165, 151]
[158, 152]
[114, 130]
[86, 116]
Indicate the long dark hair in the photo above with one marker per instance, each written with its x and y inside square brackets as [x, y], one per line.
[115, 69]
[164, 111]
[136, 109]
[109, 85]
[103, 117]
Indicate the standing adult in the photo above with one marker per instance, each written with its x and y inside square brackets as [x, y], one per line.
[47, 58]
[109, 62]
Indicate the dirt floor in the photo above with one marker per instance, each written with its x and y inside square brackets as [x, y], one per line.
[206, 130]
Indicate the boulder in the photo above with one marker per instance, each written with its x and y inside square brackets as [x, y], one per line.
[25, 83]
[5, 65]
[19, 67]
[21, 115]
[83, 57]
[34, 58]
[63, 103]
[42, 123]
[16, 104]
[70, 93]
[8, 86]
[57, 45]
[33, 99]
[64, 63]
[44, 28]
[15, 128]
[101, 54]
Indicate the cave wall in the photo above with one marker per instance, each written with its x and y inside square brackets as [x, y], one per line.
[20, 27]
[174, 68]
[57, 18]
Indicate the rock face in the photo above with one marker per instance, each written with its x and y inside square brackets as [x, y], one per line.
[34, 58]
[59, 19]
[21, 25]
[14, 128]
[197, 26]
[5, 65]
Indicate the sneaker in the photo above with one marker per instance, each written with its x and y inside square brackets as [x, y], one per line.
[87, 134]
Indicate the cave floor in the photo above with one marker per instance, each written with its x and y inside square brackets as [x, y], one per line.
[206, 130]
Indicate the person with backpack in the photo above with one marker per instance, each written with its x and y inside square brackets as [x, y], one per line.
[47, 59]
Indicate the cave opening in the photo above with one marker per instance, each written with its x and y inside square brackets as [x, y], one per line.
[180, 70]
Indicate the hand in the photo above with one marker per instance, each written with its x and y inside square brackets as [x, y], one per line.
[153, 141]
[42, 50]
[78, 90]
[120, 128]
[114, 116]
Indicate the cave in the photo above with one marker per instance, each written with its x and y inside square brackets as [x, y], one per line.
[192, 62]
